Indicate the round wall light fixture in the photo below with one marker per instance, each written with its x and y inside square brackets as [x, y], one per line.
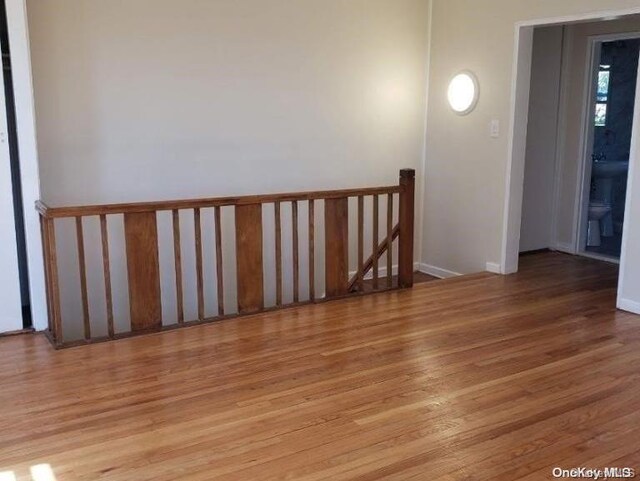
[463, 93]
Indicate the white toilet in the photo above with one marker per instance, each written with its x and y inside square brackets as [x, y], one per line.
[597, 212]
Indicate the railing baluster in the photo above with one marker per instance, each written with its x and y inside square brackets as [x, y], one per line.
[47, 276]
[177, 260]
[219, 270]
[107, 274]
[390, 241]
[82, 267]
[361, 243]
[199, 272]
[376, 229]
[368, 264]
[58, 335]
[278, 220]
[296, 260]
[312, 250]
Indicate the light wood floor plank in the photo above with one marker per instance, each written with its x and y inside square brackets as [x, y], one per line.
[481, 377]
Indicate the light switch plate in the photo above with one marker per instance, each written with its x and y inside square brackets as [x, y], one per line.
[494, 129]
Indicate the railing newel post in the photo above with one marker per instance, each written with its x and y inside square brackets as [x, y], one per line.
[407, 216]
[51, 278]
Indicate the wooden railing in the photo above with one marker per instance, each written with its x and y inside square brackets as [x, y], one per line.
[144, 270]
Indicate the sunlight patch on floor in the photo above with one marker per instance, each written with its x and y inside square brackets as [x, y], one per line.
[42, 472]
[39, 472]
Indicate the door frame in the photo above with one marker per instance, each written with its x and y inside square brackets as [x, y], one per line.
[17, 23]
[517, 136]
[11, 315]
[626, 254]
[583, 186]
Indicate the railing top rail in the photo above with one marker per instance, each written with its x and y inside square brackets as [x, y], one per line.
[167, 205]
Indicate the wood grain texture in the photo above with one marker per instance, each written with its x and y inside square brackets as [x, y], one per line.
[82, 271]
[418, 277]
[389, 240]
[50, 212]
[312, 250]
[51, 255]
[278, 235]
[199, 263]
[44, 233]
[295, 241]
[177, 263]
[106, 272]
[219, 265]
[406, 214]
[143, 270]
[379, 252]
[375, 237]
[336, 224]
[249, 258]
[145, 301]
[481, 377]
[360, 273]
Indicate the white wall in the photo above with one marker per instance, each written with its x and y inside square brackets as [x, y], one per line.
[466, 170]
[540, 164]
[160, 99]
[148, 99]
[629, 286]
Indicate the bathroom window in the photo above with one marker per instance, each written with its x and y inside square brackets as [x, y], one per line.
[604, 80]
[601, 115]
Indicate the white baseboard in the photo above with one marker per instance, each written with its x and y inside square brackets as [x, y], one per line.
[566, 248]
[437, 271]
[494, 268]
[629, 306]
[382, 271]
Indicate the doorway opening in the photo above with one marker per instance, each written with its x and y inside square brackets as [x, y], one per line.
[608, 129]
[575, 95]
[14, 159]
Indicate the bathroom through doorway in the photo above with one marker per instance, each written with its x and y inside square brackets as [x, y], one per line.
[555, 169]
[608, 126]
[578, 145]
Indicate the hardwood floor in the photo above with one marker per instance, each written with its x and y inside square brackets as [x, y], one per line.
[477, 378]
[418, 278]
